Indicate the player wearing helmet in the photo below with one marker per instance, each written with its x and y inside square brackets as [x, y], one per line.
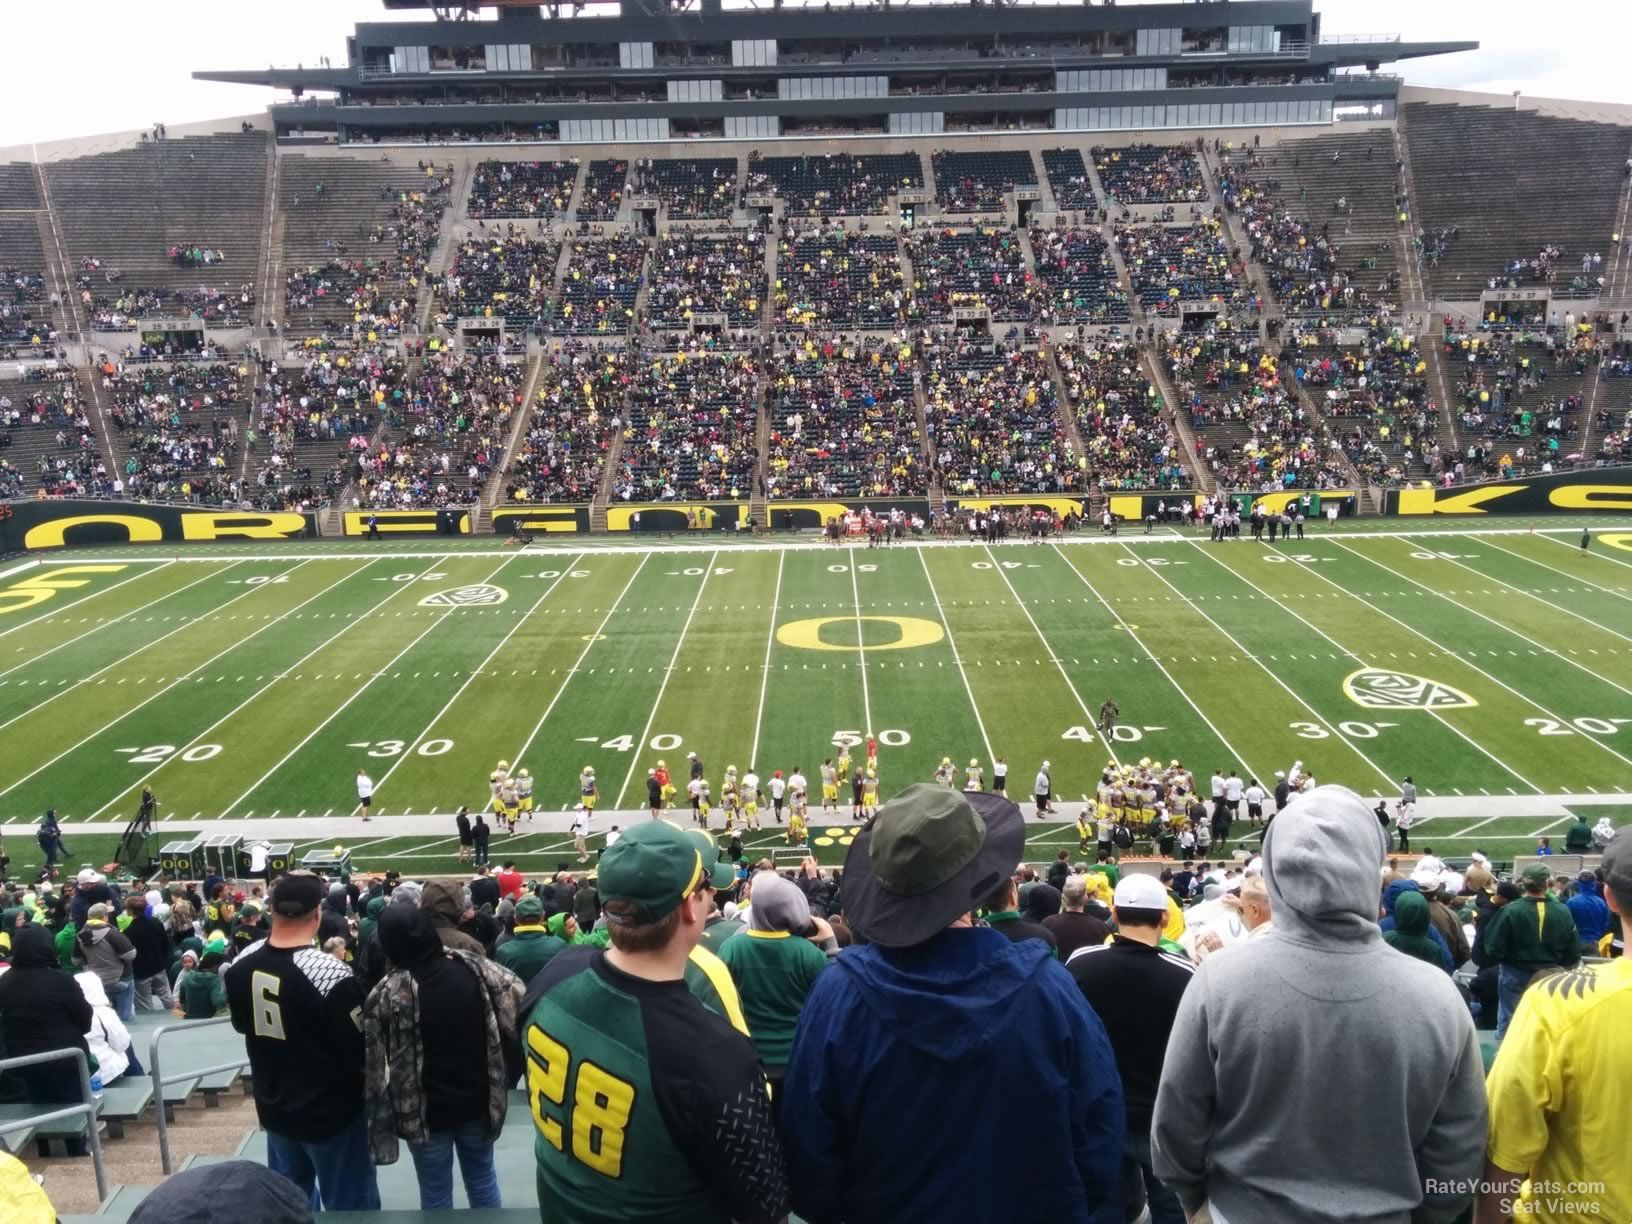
[830, 786]
[510, 803]
[750, 797]
[588, 792]
[974, 777]
[869, 794]
[943, 772]
[665, 786]
[524, 793]
[730, 798]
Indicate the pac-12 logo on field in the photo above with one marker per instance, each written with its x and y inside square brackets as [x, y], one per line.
[472, 596]
[1379, 689]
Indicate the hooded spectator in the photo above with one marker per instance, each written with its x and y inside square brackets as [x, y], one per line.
[1258, 1146]
[1410, 933]
[42, 1008]
[108, 954]
[1590, 912]
[107, 1038]
[248, 1192]
[444, 903]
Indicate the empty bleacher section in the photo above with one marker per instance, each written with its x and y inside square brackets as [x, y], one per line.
[314, 419]
[994, 421]
[178, 426]
[975, 180]
[1522, 390]
[25, 307]
[1320, 217]
[444, 434]
[602, 283]
[532, 190]
[177, 220]
[834, 184]
[1068, 179]
[1077, 275]
[1170, 265]
[843, 422]
[1511, 182]
[984, 267]
[1128, 441]
[693, 188]
[508, 275]
[562, 455]
[691, 429]
[838, 278]
[1374, 398]
[603, 190]
[355, 254]
[708, 272]
[1149, 174]
[47, 442]
[19, 189]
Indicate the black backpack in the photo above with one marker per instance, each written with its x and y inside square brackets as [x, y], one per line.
[1123, 837]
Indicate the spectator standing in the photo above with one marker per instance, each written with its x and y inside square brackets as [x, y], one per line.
[722, 879]
[49, 837]
[300, 1012]
[484, 889]
[1526, 936]
[42, 1008]
[1559, 1088]
[1074, 927]
[530, 947]
[1590, 911]
[1134, 988]
[150, 968]
[774, 963]
[1258, 1146]
[936, 1019]
[108, 954]
[1410, 932]
[440, 1054]
[510, 882]
[1003, 915]
[608, 1028]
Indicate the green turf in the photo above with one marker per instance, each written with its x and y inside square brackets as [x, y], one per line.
[251, 681]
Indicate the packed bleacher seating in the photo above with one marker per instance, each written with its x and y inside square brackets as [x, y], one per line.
[708, 272]
[312, 420]
[574, 419]
[1127, 438]
[508, 275]
[603, 190]
[834, 184]
[601, 285]
[1068, 179]
[26, 310]
[1523, 385]
[357, 251]
[47, 441]
[976, 180]
[693, 188]
[179, 427]
[1149, 174]
[954, 268]
[993, 420]
[834, 277]
[1174, 264]
[843, 422]
[539, 190]
[690, 431]
[445, 433]
[1077, 275]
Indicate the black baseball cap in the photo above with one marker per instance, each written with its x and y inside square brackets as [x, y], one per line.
[297, 894]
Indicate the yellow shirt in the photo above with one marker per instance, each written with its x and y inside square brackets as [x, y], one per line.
[1558, 1092]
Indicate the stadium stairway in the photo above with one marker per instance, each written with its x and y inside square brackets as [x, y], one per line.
[493, 491]
[1413, 288]
[441, 254]
[1440, 384]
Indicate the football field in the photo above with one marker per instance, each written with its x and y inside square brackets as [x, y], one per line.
[247, 683]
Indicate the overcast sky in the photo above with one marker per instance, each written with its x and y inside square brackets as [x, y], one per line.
[108, 65]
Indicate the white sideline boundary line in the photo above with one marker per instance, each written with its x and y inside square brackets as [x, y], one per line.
[1549, 603]
[1598, 555]
[957, 659]
[1562, 573]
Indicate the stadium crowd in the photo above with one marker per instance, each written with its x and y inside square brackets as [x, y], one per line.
[574, 419]
[833, 184]
[993, 419]
[1170, 265]
[45, 401]
[698, 271]
[835, 277]
[802, 1027]
[537, 190]
[602, 283]
[1149, 174]
[508, 275]
[180, 427]
[981, 268]
[690, 432]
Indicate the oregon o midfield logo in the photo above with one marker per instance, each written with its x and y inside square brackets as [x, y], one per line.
[807, 634]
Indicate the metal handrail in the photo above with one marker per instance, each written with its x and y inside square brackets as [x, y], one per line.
[87, 1106]
[160, 1080]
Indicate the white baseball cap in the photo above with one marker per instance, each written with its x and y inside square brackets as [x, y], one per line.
[1139, 892]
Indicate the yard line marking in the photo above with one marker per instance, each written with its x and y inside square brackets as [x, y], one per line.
[1596, 556]
[401, 756]
[474, 672]
[61, 692]
[257, 693]
[1556, 570]
[1438, 717]
[765, 671]
[957, 658]
[1207, 722]
[58, 611]
[634, 756]
[102, 624]
[178, 680]
[1332, 726]
[1529, 701]
[861, 646]
[1110, 742]
[1508, 628]
[1535, 596]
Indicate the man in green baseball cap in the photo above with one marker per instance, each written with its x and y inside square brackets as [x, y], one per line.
[529, 947]
[628, 1117]
[1526, 936]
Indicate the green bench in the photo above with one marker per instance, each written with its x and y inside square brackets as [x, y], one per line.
[125, 1100]
[17, 1134]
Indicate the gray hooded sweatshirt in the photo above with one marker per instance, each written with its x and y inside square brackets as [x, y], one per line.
[1316, 1074]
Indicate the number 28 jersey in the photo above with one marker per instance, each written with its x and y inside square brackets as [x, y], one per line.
[301, 1014]
[648, 1107]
